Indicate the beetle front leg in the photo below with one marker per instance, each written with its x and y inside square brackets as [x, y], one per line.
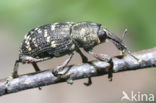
[56, 71]
[33, 61]
[27, 59]
[101, 57]
[104, 57]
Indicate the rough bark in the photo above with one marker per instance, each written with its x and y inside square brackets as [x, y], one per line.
[91, 69]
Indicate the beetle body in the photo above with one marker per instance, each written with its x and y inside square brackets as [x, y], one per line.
[58, 39]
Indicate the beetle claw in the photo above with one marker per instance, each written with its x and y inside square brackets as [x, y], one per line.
[15, 75]
[55, 72]
[59, 71]
[7, 83]
[89, 82]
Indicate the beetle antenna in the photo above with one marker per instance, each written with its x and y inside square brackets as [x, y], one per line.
[126, 49]
[123, 35]
[130, 53]
[119, 43]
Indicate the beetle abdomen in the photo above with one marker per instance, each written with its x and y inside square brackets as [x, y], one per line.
[48, 40]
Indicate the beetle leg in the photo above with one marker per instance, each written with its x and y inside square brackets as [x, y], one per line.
[104, 57]
[37, 69]
[89, 82]
[101, 57]
[84, 58]
[57, 71]
[15, 70]
[33, 61]
[26, 59]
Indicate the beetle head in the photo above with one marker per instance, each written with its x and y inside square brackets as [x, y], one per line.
[102, 34]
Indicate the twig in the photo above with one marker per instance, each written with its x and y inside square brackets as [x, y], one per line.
[94, 68]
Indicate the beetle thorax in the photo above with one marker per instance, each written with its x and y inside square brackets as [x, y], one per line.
[85, 36]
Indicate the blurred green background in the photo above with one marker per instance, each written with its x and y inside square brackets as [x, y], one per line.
[17, 17]
[138, 16]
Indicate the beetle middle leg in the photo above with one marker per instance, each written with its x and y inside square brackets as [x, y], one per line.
[56, 71]
[83, 57]
[37, 69]
[101, 57]
[84, 60]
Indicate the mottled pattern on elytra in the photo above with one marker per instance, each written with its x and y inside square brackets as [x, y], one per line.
[47, 40]
[59, 39]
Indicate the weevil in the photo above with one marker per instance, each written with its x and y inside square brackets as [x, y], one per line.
[59, 39]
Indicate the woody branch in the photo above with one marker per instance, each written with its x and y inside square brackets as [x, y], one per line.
[92, 69]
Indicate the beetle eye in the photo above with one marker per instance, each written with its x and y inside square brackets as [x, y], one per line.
[102, 34]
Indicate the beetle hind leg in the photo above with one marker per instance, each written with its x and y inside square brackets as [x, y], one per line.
[14, 74]
[104, 57]
[101, 57]
[15, 70]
